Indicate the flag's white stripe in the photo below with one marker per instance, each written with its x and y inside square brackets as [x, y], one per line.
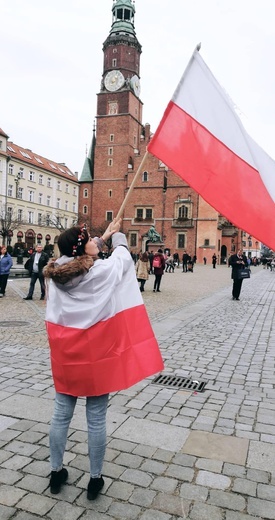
[200, 95]
[109, 287]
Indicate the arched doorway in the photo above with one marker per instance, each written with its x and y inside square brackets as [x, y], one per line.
[30, 238]
[223, 255]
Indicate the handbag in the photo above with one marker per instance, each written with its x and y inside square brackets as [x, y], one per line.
[243, 273]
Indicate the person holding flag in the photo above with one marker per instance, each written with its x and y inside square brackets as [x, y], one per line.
[100, 338]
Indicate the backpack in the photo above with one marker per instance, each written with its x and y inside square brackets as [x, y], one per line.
[157, 261]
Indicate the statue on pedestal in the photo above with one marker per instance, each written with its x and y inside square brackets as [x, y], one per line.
[153, 235]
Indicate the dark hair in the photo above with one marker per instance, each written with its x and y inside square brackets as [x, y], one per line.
[144, 257]
[160, 251]
[72, 241]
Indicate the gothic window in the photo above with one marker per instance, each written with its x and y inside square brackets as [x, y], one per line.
[110, 162]
[85, 210]
[110, 193]
[183, 212]
[145, 177]
[112, 138]
[85, 193]
[133, 239]
[110, 151]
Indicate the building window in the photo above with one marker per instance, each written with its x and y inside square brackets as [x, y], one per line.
[58, 203]
[139, 213]
[67, 188]
[109, 216]
[31, 196]
[114, 62]
[10, 190]
[9, 211]
[183, 212]
[1, 142]
[20, 193]
[112, 138]
[48, 200]
[74, 207]
[110, 193]
[181, 241]
[145, 177]
[31, 176]
[30, 217]
[65, 222]
[85, 210]
[47, 220]
[110, 162]
[133, 239]
[85, 193]
[148, 213]
[66, 205]
[39, 219]
[74, 190]
[110, 151]
[21, 172]
[20, 215]
[58, 187]
[11, 169]
[49, 182]
[40, 198]
[206, 242]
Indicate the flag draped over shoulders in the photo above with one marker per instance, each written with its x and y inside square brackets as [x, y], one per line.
[100, 336]
[202, 139]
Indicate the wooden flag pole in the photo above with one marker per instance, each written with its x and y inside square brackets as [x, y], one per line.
[132, 185]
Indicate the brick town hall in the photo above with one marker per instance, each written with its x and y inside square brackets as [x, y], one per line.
[160, 198]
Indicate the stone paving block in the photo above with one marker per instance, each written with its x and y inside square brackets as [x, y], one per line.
[9, 495]
[218, 447]
[155, 515]
[7, 512]
[184, 460]
[164, 484]
[227, 500]
[209, 465]
[266, 492]
[135, 476]
[258, 475]
[262, 508]
[233, 470]
[154, 467]
[9, 477]
[193, 492]
[65, 511]
[162, 455]
[231, 515]
[142, 497]
[261, 456]
[171, 504]
[22, 448]
[37, 504]
[124, 511]
[154, 434]
[16, 462]
[33, 483]
[205, 512]
[244, 487]
[213, 480]
[129, 460]
[180, 472]
[121, 490]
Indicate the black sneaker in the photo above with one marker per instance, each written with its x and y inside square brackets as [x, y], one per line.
[27, 298]
[57, 479]
[94, 486]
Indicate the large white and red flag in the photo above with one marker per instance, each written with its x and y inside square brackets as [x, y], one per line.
[202, 139]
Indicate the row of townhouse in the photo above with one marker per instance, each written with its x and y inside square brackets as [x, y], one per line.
[38, 197]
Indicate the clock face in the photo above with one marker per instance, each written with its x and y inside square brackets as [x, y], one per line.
[114, 80]
[135, 84]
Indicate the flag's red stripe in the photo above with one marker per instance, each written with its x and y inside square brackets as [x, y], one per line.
[225, 181]
[109, 356]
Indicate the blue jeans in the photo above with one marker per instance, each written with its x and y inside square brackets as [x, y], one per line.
[96, 408]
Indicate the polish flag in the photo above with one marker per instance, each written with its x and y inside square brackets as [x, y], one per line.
[100, 336]
[202, 139]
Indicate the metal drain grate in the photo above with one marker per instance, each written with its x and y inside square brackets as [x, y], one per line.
[14, 323]
[180, 382]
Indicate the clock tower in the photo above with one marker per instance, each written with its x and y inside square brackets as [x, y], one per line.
[118, 121]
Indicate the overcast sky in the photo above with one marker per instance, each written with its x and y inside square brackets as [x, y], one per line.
[52, 60]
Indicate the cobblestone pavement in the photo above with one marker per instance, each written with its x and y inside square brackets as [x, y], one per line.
[172, 453]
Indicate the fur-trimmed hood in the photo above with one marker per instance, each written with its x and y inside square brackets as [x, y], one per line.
[67, 272]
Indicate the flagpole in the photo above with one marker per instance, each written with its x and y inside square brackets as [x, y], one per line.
[120, 211]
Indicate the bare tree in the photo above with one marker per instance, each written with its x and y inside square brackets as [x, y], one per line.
[9, 221]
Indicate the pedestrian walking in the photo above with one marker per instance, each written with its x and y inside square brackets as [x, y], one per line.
[159, 266]
[214, 261]
[237, 262]
[35, 265]
[185, 260]
[142, 270]
[100, 338]
[5, 267]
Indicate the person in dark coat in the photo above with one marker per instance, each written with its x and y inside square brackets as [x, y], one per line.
[159, 266]
[214, 260]
[185, 259]
[237, 262]
[35, 265]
